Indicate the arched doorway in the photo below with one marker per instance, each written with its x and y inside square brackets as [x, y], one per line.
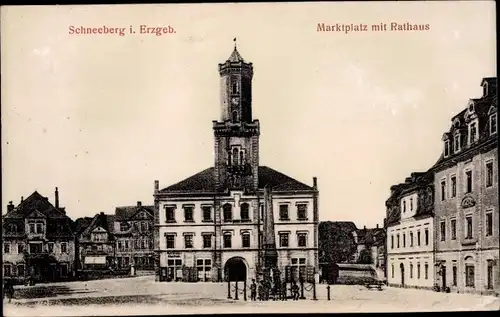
[402, 267]
[235, 269]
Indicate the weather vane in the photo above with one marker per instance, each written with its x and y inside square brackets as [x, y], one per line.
[234, 40]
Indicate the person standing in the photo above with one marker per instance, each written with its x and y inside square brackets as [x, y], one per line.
[253, 291]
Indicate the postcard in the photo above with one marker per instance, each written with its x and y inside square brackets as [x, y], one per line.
[249, 158]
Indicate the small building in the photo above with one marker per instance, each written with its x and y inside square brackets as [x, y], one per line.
[370, 246]
[96, 245]
[38, 240]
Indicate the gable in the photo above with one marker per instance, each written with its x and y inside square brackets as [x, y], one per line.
[98, 230]
[36, 214]
[142, 214]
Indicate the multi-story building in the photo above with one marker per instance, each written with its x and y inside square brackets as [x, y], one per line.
[38, 240]
[466, 204]
[210, 225]
[96, 245]
[409, 225]
[370, 246]
[133, 231]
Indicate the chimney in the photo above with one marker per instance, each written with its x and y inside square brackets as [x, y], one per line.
[364, 227]
[157, 186]
[57, 197]
[22, 198]
[377, 226]
[10, 206]
[139, 204]
[315, 182]
[102, 213]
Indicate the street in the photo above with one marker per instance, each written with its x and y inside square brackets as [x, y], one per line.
[142, 295]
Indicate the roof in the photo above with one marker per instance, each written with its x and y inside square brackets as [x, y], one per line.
[100, 220]
[346, 226]
[126, 212]
[235, 56]
[81, 224]
[204, 181]
[36, 202]
[370, 236]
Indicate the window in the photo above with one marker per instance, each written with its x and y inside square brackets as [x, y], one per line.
[453, 186]
[6, 248]
[489, 223]
[469, 275]
[144, 226]
[51, 247]
[124, 226]
[443, 230]
[235, 116]
[174, 269]
[20, 269]
[302, 239]
[242, 157]
[120, 245]
[418, 271]
[284, 212]
[20, 248]
[298, 268]
[411, 270]
[301, 212]
[443, 190]
[468, 176]
[453, 228]
[170, 214]
[404, 206]
[245, 240]
[404, 240]
[418, 237]
[64, 269]
[64, 247]
[207, 241]
[411, 204]
[493, 124]
[392, 241]
[234, 86]
[392, 270]
[207, 213]
[235, 156]
[227, 240]
[454, 273]
[126, 244]
[489, 174]
[446, 148]
[170, 241]
[188, 241]
[426, 272]
[204, 266]
[468, 227]
[188, 214]
[472, 132]
[7, 270]
[456, 146]
[32, 227]
[426, 236]
[411, 239]
[244, 212]
[397, 238]
[39, 228]
[228, 213]
[284, 239]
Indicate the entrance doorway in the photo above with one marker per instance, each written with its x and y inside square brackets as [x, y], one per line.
[402, 267]
[235, 269]
[443, 277]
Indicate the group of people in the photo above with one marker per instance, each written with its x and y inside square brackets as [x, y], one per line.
[265, 290]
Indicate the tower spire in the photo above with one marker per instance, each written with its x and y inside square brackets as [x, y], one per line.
[235, 43]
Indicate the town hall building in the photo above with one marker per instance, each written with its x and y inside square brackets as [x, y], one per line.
[212, 226]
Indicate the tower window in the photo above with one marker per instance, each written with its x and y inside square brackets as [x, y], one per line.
[235, 116]
[242, 157]
[235, 156]
[235, 87]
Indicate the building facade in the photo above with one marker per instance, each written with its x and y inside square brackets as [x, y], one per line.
[133, 231]
[466, 204]
[370, 246]
[410, 233]
[210, 226]
[96, 245]
[38, 240]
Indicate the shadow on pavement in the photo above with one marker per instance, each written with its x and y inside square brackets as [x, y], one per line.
[45, 291]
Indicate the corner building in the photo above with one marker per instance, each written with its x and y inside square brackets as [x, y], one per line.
[466, 202]
[209, 227]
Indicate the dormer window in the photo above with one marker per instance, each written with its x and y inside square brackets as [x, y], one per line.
[473, 135]
[493, 124]
[446, 148]
[457, 144]
[485, 89]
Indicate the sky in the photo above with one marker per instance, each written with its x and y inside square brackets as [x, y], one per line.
[103, 116]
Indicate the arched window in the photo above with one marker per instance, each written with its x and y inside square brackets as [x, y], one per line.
[244, 212]
[235, 156]
[228, 212]
[235, 88]
[235, 116]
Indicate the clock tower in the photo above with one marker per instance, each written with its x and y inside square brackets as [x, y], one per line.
[236, 134]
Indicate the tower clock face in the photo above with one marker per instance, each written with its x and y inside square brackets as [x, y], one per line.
[235, 101]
